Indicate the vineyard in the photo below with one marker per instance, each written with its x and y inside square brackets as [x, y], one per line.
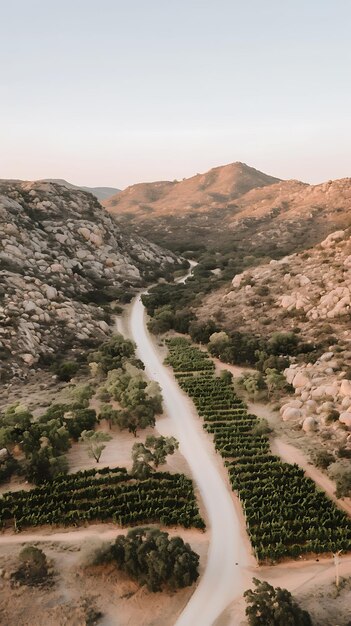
[104, 495]
[286, 515]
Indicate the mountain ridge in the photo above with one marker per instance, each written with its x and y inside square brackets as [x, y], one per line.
[101, 193]
[230, 180]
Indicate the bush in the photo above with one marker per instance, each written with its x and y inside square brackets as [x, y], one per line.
[269, 606]
[332, 416]
[261, 427]
[33, 567]
[95, 552]
[66, 370]
[262, 290]
[283, 343]
[322, 458]
[150, 557]
[343, 484]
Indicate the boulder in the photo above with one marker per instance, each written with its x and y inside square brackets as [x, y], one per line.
[326, 356]
[104, 327]
[236, 282]
[30, 306]
[28, 358]
[84, 232]
[291, 413]
[309, 424]
[329, 241]
[51, 293]
[345, 418]
[310, 407]
[300, 380]
[96, 240]
[346, 402]
[345, 388]
[3, 454]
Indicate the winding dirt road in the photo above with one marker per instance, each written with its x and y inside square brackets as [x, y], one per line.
[224, 576]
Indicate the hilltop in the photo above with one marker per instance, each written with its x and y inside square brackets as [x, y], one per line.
[218, 187]
[234, 210]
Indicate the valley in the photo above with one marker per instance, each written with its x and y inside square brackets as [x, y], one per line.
[267, 299]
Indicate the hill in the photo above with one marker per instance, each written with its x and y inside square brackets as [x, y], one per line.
[219, 186]
[234, 211]
[62, 258]
[101, 193]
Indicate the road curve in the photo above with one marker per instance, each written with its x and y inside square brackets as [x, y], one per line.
[223, 578]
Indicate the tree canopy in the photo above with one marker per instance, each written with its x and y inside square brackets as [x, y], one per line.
[273, 606]
[148, 556]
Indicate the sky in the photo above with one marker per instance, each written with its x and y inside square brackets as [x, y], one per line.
[112, 92]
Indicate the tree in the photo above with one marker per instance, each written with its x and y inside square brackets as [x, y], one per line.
[43, 466]
[82, 394]
[274, 380]
[226, 376]
[252, 383]
[132, 419]
[16, 420]
[161, 447]
[269, 606]
[78, 420]
[150, 557]
[112, 353]
[202, 331]
[95, 442]
[108, 413]
[147, 457]
[283, 343]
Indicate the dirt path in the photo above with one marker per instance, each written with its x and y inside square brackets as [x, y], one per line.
[225, 576]
[286, 451]
[290, 454]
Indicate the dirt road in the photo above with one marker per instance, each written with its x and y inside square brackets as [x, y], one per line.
[225, 576]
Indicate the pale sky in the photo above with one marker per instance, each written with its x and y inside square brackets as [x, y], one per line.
[112, 92]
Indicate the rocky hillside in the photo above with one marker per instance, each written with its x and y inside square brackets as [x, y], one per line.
[309, 290]
[235, 210]
[308, 293]
[61, 256]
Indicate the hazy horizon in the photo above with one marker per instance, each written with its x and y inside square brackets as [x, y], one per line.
[105, 94]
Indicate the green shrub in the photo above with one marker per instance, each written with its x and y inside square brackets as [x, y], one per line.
[152, 559]
[269, 606]
[66, 370]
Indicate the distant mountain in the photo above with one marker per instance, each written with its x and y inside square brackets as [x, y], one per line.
[218, 187]
[234, 213]
[101, 193]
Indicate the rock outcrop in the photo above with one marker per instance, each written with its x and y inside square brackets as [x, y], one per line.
[61, 256]
[322, 394]
[308, 291]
